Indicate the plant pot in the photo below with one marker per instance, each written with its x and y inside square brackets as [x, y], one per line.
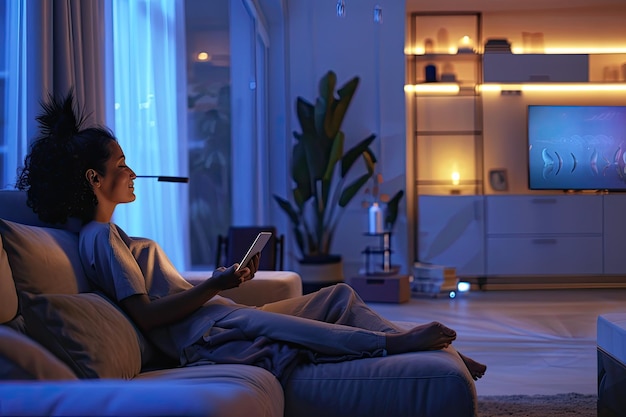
[320, 271]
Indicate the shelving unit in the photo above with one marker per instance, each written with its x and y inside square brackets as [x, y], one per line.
[447, 113]
[383, 250]
[489, 232]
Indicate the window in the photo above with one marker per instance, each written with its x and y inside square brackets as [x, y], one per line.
[227, 121]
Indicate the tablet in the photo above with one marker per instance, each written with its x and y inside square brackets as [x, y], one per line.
[256, 247]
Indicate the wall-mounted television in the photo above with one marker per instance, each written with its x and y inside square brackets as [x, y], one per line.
[577, 147]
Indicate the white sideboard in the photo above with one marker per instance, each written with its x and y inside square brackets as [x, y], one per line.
[451, 232]
[524, 235]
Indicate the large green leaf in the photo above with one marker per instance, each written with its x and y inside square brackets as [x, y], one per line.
[335, 155]
[300, 172]
[356, 152]
[287, 208]
[306, 115]
[340, 107]
[391, 213]
[351, 190]
[323, 115]
[315, 155]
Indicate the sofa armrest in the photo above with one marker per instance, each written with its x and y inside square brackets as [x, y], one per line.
[266, 286]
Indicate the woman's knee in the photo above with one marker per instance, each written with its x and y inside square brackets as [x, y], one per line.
[342, 290]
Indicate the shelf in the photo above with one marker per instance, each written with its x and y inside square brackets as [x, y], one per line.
[442, 88]
[446, 57]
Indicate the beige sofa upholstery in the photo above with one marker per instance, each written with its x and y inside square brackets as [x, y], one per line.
[67, 351]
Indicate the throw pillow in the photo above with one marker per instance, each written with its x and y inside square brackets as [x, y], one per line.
[86, 332]
[8, 295]
[43, 260]
[23, 358]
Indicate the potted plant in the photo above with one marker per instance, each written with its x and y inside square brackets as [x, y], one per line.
[321, 170]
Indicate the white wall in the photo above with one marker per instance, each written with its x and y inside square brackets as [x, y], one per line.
[318, 41]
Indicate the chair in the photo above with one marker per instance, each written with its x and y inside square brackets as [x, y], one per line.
[232, 248]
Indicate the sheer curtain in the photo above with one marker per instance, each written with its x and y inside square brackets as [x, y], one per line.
[11, 19]
[146, 69]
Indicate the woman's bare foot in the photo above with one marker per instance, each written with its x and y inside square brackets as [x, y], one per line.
[429, 336]
[477, 370]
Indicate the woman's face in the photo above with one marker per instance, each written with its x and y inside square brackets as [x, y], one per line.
[116, 185]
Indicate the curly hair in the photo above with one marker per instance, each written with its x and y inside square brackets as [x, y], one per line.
[54, 170]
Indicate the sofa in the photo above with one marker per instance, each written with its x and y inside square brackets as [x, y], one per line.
[67, 350]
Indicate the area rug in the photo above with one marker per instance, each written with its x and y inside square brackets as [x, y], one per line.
[560, 405]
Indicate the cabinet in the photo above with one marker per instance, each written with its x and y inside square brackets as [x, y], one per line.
[451, 233]
[544, 235]
[614, 226]
[525, 235]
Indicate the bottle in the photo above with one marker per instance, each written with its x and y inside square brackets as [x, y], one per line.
[375, 219]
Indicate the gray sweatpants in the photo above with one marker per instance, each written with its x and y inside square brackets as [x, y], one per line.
[330, 325]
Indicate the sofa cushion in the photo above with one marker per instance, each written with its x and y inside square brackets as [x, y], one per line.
[86, 332]
[223, 395]
[429, 383]
[8, 296]
[231, 389]
[23, 358]
[43, 260]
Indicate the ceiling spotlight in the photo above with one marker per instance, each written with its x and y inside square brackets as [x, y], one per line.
[378, 14]
[341, 8]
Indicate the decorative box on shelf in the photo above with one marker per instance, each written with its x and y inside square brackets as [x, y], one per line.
[433, 279]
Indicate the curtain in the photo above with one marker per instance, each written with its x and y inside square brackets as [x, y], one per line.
[148, 84]
[52, 46]
[65, 49]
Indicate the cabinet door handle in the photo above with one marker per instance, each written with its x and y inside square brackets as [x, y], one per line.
[544, 241]
[544, 201]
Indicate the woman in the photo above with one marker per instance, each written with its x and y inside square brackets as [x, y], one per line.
[73, 172]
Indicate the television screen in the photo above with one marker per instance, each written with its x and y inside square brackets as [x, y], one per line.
[576, 147]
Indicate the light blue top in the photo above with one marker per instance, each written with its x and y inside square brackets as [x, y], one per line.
[121, 266]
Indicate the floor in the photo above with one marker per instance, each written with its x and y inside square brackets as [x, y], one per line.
[533, 341]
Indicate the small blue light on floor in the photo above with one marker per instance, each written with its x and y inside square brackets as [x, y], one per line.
[452, 294]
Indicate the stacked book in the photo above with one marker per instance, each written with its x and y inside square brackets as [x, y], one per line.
[433, 279]
[497, 46]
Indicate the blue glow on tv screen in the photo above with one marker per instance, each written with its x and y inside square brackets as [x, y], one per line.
[577, 147]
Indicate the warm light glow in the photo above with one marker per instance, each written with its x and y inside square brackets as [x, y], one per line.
[456, 178]
[573, 87]
[591, 50]
[203, 56]
[489, 87]
[419, 50]
[441, 88]
[466, 41]
[575, 50]
[414, 51]
[553, 87]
